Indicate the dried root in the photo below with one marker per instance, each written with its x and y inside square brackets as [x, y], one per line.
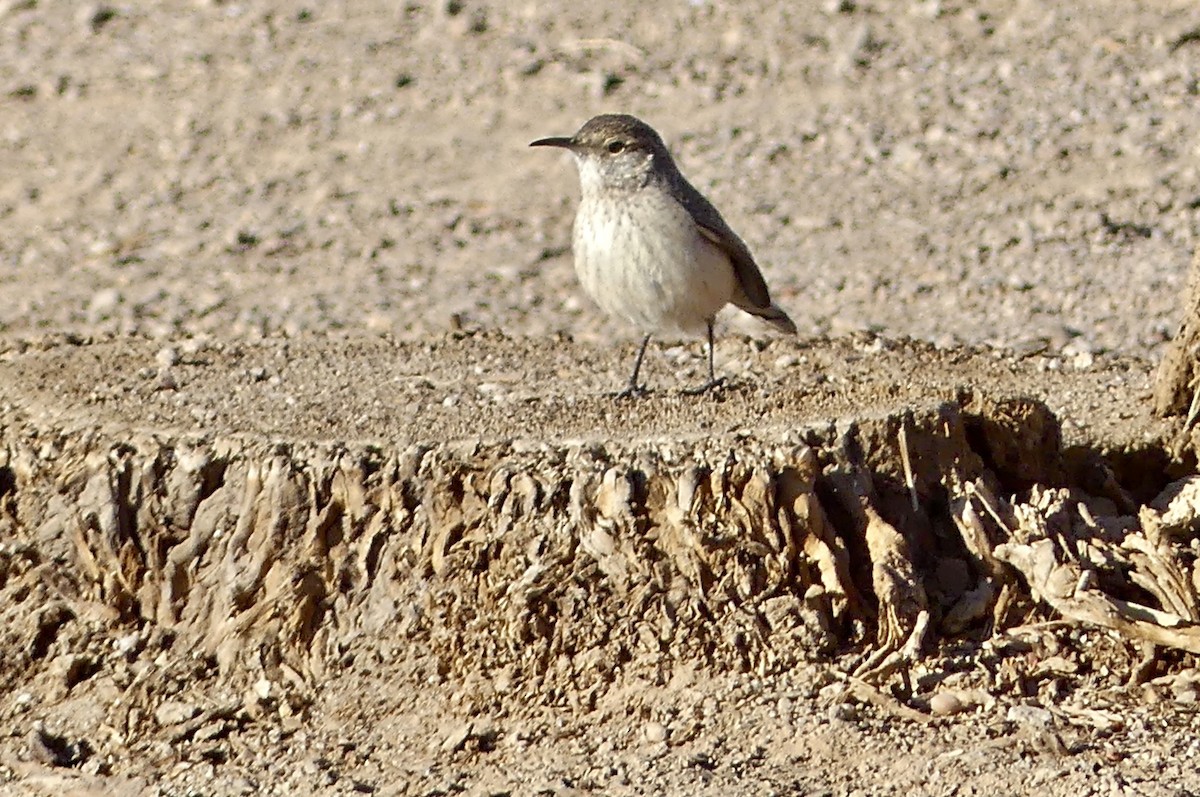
[1104, 574]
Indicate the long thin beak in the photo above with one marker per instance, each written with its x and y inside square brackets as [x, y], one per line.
[554, 141]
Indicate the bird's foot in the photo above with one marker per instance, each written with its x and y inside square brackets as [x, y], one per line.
[710, 385]
[632, 391]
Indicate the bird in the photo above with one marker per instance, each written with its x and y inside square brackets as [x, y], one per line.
[649, 248]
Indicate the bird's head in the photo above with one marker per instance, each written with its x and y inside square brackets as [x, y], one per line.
[614, 151]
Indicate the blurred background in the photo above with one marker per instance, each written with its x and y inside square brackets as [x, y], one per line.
[1015, 173]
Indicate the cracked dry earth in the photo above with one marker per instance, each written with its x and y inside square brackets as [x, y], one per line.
[310, 478]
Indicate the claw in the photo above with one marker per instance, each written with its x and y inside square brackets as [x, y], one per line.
[632, 392]
[699, 390]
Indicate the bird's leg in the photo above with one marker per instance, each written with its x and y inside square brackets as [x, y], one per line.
[633, 389]
[712, 369]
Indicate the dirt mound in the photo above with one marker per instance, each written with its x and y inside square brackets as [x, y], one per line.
[200, 506]
[229, 537]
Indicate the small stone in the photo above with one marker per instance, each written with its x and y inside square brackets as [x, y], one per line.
[128, 645]
[1185, 692]
[262, 688]
[174, 712]
[1057, 665]
[1030, 715]
[503, 681]
[1029, 347]
[252, 704]
[167, 356]
[785, 361]
[655, 732]
[193, 346]
[209, 731]
[455, 740]
[945, 704]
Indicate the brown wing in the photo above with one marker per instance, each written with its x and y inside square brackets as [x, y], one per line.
[713, 227]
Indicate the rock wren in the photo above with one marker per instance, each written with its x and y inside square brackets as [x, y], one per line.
[649, 248]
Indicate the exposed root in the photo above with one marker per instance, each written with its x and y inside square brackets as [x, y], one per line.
[584, 559]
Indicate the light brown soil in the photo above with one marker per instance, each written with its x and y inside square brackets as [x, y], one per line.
[292, 277]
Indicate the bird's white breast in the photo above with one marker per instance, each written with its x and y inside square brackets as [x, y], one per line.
[642, 258]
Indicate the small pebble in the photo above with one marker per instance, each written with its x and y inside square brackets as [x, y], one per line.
[945, 704]
[1186, 694]
[458, 737]
[166, 357]
[128, 644]
[1030, 715]
[262, 688]
[174, 712]
[786, 361]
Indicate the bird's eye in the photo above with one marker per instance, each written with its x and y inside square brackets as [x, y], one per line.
[615, 146]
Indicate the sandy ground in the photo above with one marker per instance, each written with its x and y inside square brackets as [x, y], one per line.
[954, 173]
[282, 222]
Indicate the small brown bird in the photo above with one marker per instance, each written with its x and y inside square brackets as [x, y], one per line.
[649, 248]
